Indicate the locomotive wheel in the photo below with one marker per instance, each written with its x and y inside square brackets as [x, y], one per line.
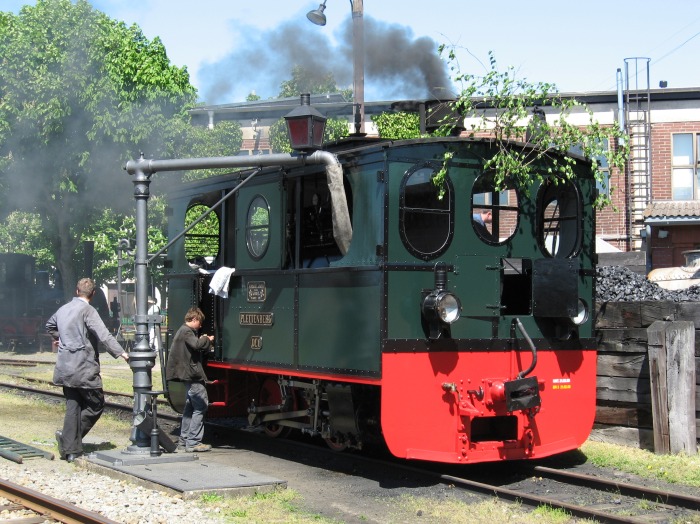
[270, 395]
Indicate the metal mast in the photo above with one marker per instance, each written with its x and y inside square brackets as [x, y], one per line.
[638, 124]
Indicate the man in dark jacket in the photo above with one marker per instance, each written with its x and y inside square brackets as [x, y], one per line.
[77, 330]
[185, 365]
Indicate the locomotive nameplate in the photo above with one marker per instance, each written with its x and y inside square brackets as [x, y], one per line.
[256, 292]
[256, 319]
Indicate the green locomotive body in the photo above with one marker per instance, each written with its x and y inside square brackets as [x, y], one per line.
[447, 340]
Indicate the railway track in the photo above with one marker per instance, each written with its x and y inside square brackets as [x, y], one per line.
[117, 406]
[23, 363]
[596, 498]
[26, 506]
[581, 495]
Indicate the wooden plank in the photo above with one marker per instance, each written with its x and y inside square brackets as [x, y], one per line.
[627, 339]
[657, 378]
[628, 415]
[631, 437]
[624, 389]
[618, 315]
[689, 311]
[633, 314]
[620, 389]
[653, 311]
[680, 379]
[623, 365]
[628, 259]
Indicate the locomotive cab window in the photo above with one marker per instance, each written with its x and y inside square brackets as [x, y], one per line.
[427, 221]
[258, 227]
[494, 212]
[202, 241]
[559, 214]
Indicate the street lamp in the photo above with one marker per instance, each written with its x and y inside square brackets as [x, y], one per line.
[358, 57]
[317, 16]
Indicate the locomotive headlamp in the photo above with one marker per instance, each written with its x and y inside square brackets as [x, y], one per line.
[581, 313]
[439, 307]
[443, 306]
[305, 126]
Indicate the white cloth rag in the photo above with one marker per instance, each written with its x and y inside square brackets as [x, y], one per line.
[219, 282]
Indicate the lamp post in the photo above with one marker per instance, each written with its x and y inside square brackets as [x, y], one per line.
[358, 57]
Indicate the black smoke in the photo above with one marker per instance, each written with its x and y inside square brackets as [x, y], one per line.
[397, 65]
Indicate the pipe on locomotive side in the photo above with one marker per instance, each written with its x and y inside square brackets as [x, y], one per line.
[342, 228]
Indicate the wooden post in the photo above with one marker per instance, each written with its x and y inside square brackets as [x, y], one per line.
[672, 375]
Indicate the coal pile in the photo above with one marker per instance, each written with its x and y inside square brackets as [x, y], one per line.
[619, 284]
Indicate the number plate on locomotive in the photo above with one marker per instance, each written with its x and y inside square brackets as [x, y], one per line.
[256, 292]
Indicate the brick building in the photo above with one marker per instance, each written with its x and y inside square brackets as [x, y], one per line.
[656, 201]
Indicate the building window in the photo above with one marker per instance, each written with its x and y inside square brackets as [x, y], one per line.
[602, 183]
[684, 166]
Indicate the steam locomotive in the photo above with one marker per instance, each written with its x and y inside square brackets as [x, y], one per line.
[26, 301]
[372, 307]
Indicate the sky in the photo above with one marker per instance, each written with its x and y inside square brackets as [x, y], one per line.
[234, 47]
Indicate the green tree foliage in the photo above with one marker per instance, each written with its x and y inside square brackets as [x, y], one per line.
[224, 139]
[499, 104]
[202, 240]
[80, 94]
[21, 232]
[397, 126]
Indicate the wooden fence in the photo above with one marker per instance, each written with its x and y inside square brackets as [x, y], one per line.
[624, 411]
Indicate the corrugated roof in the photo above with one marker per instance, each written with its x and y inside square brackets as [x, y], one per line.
[673, 209]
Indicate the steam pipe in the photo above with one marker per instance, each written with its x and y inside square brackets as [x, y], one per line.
[148, 167]
[521, 328]
[620, 102]
[141, 358]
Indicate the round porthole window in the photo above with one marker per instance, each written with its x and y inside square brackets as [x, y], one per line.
[495, 212]
[258, 227]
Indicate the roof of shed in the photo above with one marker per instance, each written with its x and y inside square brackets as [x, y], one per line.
[669, 212]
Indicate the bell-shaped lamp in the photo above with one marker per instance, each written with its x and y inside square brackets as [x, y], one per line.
[317, 16]
[305, 126]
